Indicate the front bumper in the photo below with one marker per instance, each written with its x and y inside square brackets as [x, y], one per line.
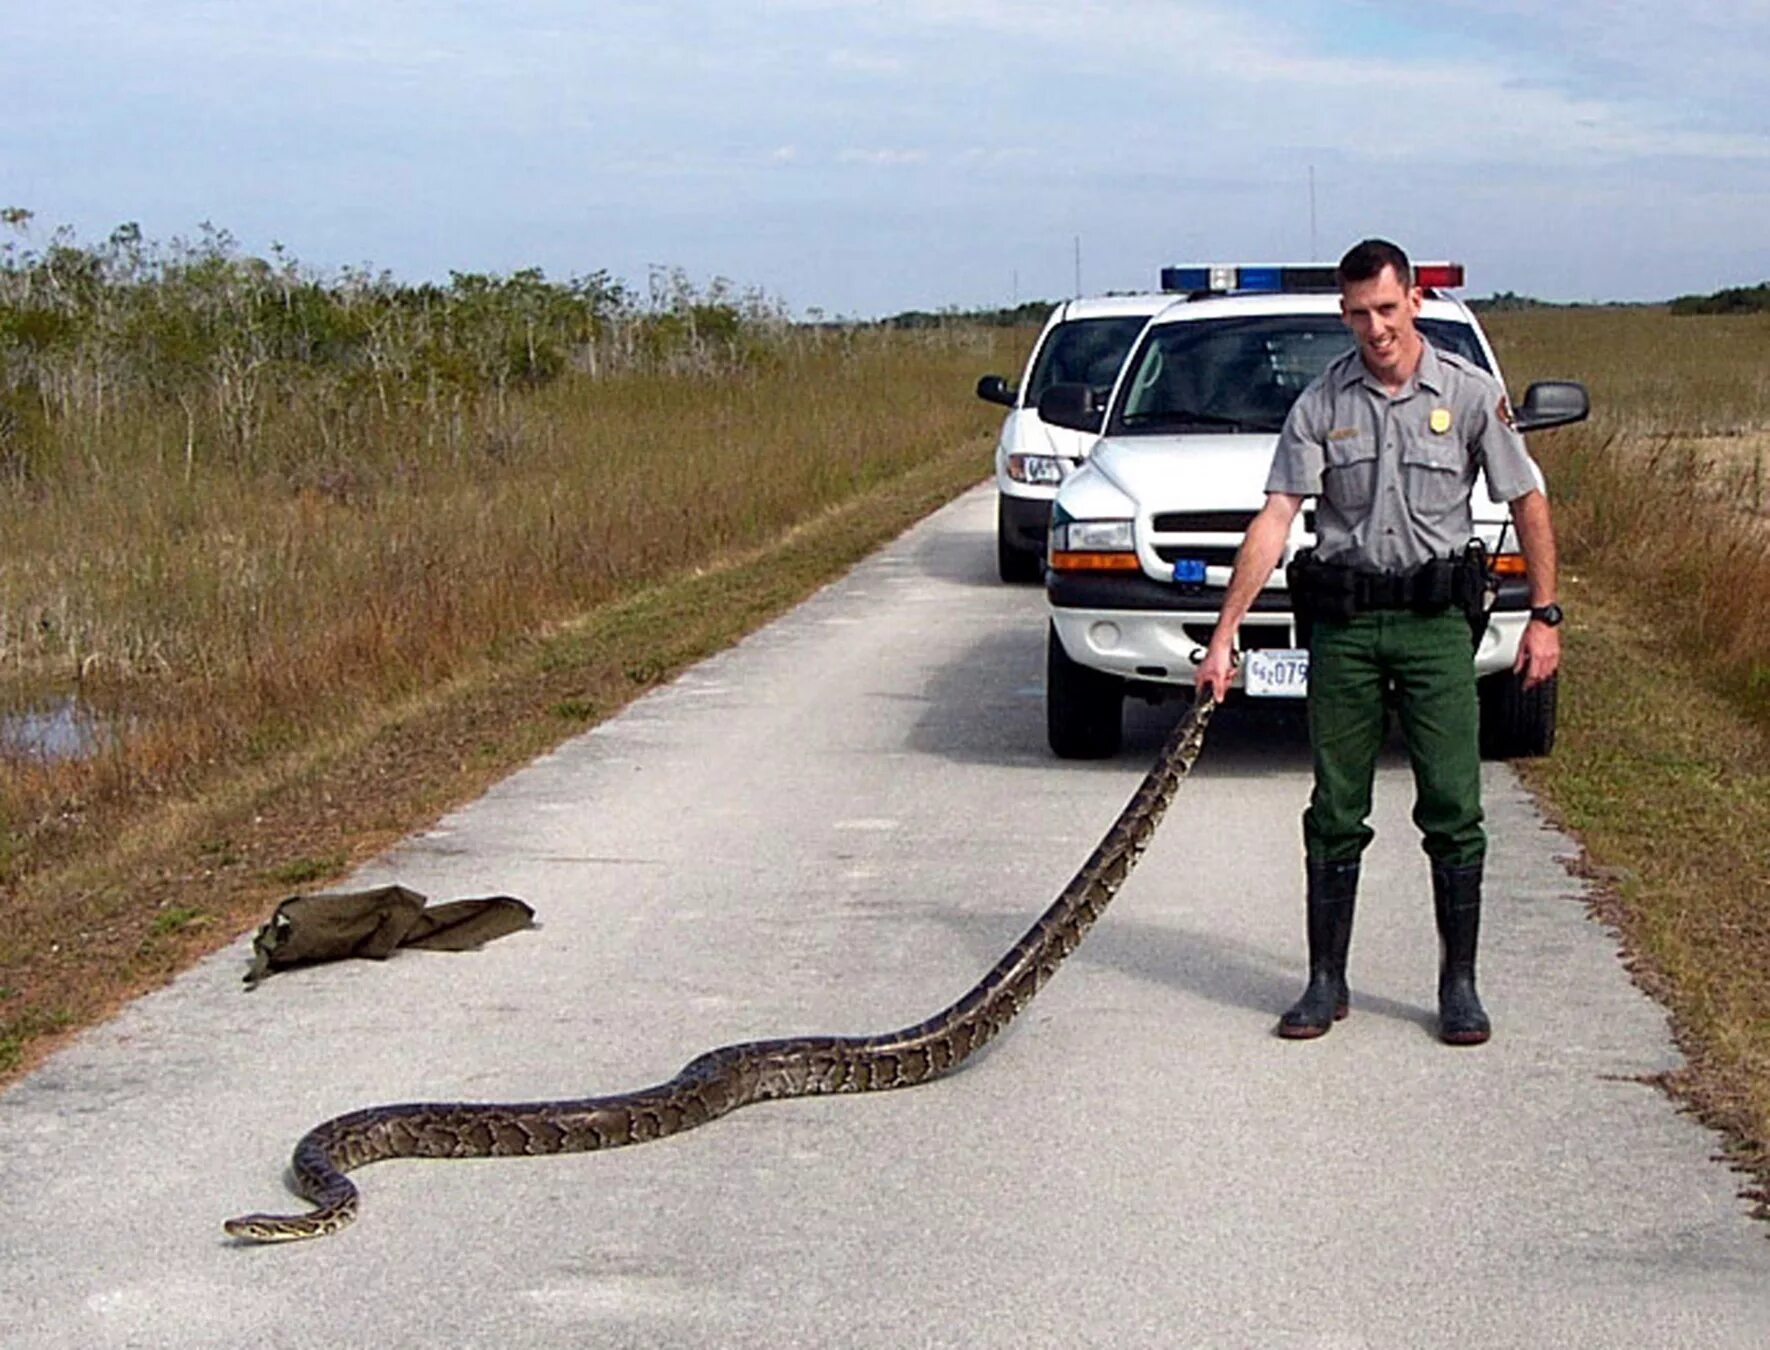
[1143, 643]
[1026, 521]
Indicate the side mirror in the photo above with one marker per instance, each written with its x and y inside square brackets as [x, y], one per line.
[1072, 406]
[994, 389]
[1552, 403]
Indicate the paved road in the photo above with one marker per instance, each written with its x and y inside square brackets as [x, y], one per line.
[837, 826]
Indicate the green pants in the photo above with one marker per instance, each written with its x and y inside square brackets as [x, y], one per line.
[1427, 660]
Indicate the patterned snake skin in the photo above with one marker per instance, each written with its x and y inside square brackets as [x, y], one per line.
[736, 1075]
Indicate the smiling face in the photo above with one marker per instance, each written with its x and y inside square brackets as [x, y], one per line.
[1381, 313]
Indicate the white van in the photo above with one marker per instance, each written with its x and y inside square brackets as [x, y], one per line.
[1083, 342]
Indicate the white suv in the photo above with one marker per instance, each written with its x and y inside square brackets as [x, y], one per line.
[1144, 535]
[1083, 342]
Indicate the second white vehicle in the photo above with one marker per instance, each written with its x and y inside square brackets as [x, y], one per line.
[1083, 342]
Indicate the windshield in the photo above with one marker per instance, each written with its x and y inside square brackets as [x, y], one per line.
[1244, 374]
[1083, 351]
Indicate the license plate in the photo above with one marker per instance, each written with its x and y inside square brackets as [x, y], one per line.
[1189, 572]
[1276, 672]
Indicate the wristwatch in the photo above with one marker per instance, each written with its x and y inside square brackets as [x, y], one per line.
[1551, 614]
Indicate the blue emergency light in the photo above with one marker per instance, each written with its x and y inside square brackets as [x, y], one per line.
[1189, 572]
[1273, 278]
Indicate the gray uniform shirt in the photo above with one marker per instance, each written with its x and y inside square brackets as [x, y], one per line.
[1392, 475]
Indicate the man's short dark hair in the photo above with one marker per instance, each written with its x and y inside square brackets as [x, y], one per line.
[1366, 260]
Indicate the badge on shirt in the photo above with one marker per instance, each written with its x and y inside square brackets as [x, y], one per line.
[1439, 421]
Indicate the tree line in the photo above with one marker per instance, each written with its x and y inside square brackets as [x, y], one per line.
[1733, 300]
[89, 328]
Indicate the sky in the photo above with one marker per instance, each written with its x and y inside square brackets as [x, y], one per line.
[862, 157]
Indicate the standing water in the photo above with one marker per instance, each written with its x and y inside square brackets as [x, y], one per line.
[64, 729]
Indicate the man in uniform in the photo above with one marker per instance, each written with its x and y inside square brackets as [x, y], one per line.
[1389, 440]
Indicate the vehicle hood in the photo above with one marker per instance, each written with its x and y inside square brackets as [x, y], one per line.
[1026, 433]
[1199, 473]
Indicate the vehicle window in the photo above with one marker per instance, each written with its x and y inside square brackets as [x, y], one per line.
[1243, 374]
[1083, 351]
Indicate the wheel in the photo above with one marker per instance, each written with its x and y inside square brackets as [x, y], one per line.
[1083, 707]
[1516, 723]
[1014, 564]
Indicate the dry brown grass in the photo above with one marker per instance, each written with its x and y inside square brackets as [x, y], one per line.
[225, 615]
[1668, 788]
[1663, 763]
[182, 876]
[1664, 493]
[305, 663]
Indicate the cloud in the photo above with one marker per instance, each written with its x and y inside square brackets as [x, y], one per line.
[775, 142]
[883, 158]
[1390, 78]
[1698, 53]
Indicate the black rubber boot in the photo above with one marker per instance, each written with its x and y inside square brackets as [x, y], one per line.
[1456, 900]
[1333, 893]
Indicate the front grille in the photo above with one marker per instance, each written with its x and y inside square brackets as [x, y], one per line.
[1211, 555]
[1213, 522]
[1202, 522]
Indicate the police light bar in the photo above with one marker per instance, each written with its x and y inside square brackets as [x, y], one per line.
[1228, 278]
[1223, 278]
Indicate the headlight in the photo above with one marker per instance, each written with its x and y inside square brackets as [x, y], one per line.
[1092, 546]
[1046, 469]
[1094, 536]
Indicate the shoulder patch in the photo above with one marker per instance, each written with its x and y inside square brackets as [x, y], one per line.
[1504, 411]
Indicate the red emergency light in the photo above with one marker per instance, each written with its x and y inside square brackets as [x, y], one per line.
[1438, 275]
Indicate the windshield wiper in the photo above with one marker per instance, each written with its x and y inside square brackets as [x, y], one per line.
[1174, 420]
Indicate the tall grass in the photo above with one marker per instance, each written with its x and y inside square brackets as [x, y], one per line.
[1662, 511]
[1665, 492]
[239, 505]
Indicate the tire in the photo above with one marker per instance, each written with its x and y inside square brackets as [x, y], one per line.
[1014, 565]
[1516, 723]
[1084, 708]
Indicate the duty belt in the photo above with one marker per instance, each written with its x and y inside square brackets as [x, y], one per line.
[1326, 590]
[1386, 590]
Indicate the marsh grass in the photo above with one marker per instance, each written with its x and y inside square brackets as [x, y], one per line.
[1668, 788]
[258, 525]
[300, 644]
[80, 935]
[222, 613]
[1665, 493]
[1662, 766]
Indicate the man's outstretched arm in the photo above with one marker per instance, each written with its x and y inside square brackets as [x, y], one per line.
[1260, 551]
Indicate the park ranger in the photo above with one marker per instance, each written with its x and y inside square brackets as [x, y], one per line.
[1389, 439]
